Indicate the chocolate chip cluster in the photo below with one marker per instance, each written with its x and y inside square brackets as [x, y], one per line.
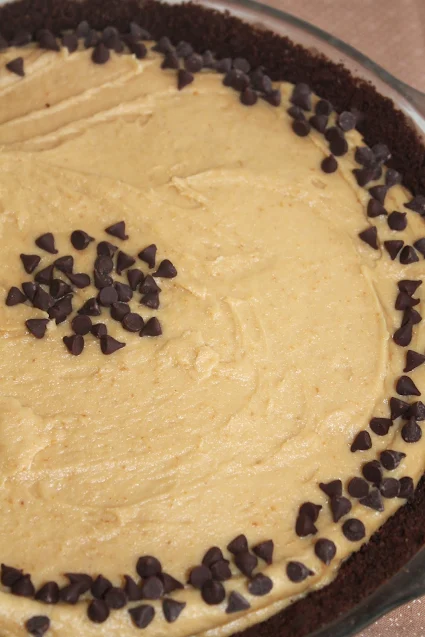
[54, 295]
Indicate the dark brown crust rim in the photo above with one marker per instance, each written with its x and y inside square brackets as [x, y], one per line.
[404, 533]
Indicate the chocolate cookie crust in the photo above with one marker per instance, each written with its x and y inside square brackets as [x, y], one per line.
[402, 535]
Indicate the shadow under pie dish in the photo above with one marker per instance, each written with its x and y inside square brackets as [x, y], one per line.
[212, 354]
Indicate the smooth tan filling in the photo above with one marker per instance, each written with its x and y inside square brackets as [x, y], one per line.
[276, 349]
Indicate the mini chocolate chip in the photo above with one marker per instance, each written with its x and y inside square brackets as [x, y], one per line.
[172, 609]
[260, 585]
[370, 236]
[372, 471]
[248, 97]
[117, 230]
[417, 204]
[98, 611]
[241, 64]
[16, 66]
[184, 78]
[389, 488]
[214, 554]
[264, 550]
[37, 327]
[110, 345]
[46, 242]
[58, 288]
[132, 590]
[80, 280]
[346, 120]
[119, 310]
[213, 592]
[81, 324]
[48, 593]
[420, 246]
[112, 40]
[246, 562]
[392, 177]
[90, 308]
[261, 82]
[148, 255]
[107, 296]
[83, 29]
[411, 432]
[411, 316]
[398, 407]
[15, 296]
[139, 32]
[397, 221]
[301, 96]
[170, 583]
[80, 239]
[364, 175]
[170, 61]
[325, 550]
[149, 285]
[163, 45]
[390, 459]
[83, 581]
[9, 575]
[100, 586]
[150, 300]
[208, 59]
[135, 278]
[133, 322]
[224, 65]
[405, 301]
[148, 566]
[379, 193]
[64, 264]
[319, 122]
[184, 49]
[124, 261]
[115, 598]
[403, 335]
[61, 309]
[103, 264]
[74, 343]
[333, 488]
[45, 275]
[338, 146]
[297, 572]
[30, 262]
[142, 615]
[47, 40]
[102, 280]
[373, 500]
[361, 442]
[354, 530]
[329, 164]
[37, 625]
[365, 156]
[199, 575]
[304, 526]
[408, 286]
[125, 293]
[407, 488]
[152, 328]
[408, 255]
[220, 571]
[375, 208]
[413, 360]
[340, 506]
[70, 42]
[358, 488]
[416, 411]
[382, 152]
[105, 249]
[138, 49]
[236, 603]
[296, 113]
[380, 426]
[193, 63]
[100, 53]
[23, 587]
[238, 545]
[301, 128]
[99, 329]
[406, 387]
[30, 288]
[393, 247]
[323, 107]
